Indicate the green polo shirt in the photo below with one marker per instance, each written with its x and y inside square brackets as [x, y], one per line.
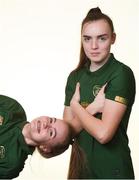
[111, 160]
[13, 149]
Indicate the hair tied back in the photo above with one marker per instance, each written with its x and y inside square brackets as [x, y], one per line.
[94, 11]
[72, 141]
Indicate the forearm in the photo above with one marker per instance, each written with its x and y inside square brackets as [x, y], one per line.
[103, 130]
[112, 112]
[72, 120]
[76, 126]
[92, 125]
[91, 109]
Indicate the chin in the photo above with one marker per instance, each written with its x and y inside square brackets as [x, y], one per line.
[96, 60]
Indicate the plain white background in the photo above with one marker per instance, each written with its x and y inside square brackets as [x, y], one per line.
[39, 46]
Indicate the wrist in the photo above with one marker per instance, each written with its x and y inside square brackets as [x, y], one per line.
[74, 103]
[91, 109]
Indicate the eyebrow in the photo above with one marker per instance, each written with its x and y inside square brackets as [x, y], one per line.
[55, 128]
[55, 119]
[87, 36]
[102, 35]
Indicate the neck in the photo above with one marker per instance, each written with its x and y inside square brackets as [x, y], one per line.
[27, 136]
[97, 65]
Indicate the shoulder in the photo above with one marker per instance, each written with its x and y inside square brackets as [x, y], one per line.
[122, 70]
[9, 103]
[6, 100]
[76, 75]
[11, 110]
[121, 83]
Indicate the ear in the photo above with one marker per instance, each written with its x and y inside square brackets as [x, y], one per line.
[113, 38]
[45, 148]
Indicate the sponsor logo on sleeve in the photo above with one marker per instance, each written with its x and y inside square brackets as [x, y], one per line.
[121, 100]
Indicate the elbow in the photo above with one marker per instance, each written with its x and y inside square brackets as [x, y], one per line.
[103, 141]
[104, 138]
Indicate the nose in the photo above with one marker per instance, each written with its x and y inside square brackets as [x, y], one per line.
[94, 44]
[45, 125]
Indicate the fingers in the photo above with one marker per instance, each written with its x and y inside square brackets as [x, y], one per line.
[102, 90]
[77, 87]
[78, 84]
[104, 86]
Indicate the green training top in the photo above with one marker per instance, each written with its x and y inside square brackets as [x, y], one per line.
[13, 149]
[110, 160]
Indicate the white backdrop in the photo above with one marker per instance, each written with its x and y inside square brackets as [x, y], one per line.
[39, 46]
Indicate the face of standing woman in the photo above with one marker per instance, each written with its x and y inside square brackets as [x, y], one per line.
[97, 39]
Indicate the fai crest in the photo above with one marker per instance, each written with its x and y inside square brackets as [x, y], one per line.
[2, 152]
[1, 120]
[96, 89]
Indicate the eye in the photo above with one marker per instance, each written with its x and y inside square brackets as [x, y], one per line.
[86, 39]
[52, 120]
[52, 132]
[102, 38]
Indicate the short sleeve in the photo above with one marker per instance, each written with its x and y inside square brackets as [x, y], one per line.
[70, 88]
[121, 88]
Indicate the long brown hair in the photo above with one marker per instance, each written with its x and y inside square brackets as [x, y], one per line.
[94, 14]
[78, 162]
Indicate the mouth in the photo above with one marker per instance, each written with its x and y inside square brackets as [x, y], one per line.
[94, 54]
[38, 126]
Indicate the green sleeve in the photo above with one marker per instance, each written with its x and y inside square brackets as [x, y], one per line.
[70, 89]
[121, 87]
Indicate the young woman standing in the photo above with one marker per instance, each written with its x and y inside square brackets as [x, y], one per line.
[104, 138]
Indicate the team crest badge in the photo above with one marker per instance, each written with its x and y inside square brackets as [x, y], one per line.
[96, 89]
[1, 120]
[2, 152]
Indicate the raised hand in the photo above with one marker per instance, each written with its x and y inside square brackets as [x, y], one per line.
[76, 96]
[98, 104]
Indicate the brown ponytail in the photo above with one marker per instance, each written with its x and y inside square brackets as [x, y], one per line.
[94, 12]
[78, 162]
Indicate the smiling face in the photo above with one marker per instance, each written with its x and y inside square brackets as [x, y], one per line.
[47, 131]
[97, 39]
